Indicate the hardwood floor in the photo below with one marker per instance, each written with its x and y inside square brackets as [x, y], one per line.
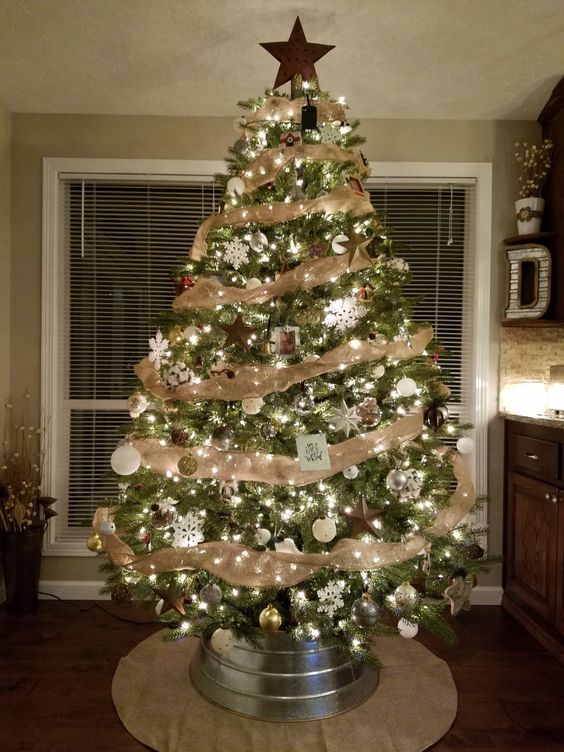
[56, 668]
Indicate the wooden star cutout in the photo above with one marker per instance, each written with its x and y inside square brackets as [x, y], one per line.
[357, 248]
[296, 56]
[238, 333]
[364, 519]
[171, 600]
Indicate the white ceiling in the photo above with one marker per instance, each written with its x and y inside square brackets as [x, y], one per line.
[467, 59]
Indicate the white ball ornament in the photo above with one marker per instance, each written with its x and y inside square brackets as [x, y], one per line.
[258, 241]
[107, 527]
[125, 460]
[406, 387]
[407, 629]
[222, 640]
[337, 244]
[351, 472]
[324, 529]
[405, 595]
[235, 186]
[253, 283]
[465, 445]
[190, 331]
[379, 371]
[262, 536]
[252, 405]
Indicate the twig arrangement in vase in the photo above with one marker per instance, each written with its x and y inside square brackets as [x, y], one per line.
[21, 504]
[534, 164]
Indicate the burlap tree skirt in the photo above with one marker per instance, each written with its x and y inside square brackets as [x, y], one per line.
[413, 707]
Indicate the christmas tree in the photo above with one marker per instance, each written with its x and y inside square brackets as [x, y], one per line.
[286, 466]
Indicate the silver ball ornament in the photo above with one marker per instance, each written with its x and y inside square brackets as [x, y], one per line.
[351, 472]
[258, 241]
[396, 480]
[303, 403]
[365, 612]
[221, 437]
[211, 594]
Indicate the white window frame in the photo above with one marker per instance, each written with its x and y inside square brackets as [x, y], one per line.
[63, 541]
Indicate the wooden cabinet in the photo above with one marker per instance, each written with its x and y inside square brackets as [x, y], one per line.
[534, 531]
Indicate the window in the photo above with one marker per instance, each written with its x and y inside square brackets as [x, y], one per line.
[114, 231]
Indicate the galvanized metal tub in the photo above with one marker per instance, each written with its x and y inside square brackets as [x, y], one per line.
[284, 680]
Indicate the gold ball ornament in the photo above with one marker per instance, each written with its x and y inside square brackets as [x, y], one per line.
[187, 465]
[94, 544]
[175, 334]
[270, 619]
[308, 316]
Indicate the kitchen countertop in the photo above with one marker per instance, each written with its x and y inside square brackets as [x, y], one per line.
[536, 420]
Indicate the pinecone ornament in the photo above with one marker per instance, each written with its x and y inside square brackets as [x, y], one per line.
[121, 593]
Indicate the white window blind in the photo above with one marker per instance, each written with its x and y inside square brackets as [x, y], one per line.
[432, 225]
[120, 236]
[123, 241]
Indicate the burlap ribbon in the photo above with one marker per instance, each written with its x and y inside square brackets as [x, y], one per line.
[246, 381]
[342, 199]
[277, 469]
[282, 109]
[265, 168]
[243, 566]
[209, 293]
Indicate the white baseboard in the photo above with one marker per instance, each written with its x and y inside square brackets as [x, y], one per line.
[89, 590]
[486, 595]
[73, 590]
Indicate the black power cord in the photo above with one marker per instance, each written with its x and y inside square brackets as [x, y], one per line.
[94, 606]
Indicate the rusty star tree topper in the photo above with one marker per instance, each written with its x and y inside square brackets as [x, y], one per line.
[296, 56]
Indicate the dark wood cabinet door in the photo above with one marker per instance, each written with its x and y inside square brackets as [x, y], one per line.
[559, 615]
[532, 549]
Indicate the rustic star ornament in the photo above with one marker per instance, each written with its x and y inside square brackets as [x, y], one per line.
[296, 56]
[357, 248]
[364, 519]
[171, 600]
[238, 333]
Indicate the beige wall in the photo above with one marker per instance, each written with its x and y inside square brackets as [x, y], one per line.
[38, 136]
[5, 156]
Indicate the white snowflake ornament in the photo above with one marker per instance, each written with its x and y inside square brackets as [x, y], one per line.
[344, 313]
[344, 418]
[330, 133]
[176, 374]
[331, 597]
[236, 253]
[159, 349]
[188, 531]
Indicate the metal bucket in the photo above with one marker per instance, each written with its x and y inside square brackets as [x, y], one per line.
[284, 680]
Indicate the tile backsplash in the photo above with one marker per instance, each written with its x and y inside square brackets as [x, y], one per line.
[526, 354]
